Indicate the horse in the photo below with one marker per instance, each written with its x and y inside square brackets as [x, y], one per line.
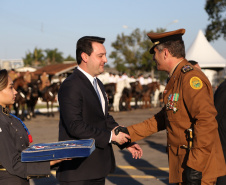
[20, 83]
[119, 89]
[48, 94]
[32, 100]
[148, 92]
[124, 102]
[110, 90]
[158, 97]
[136, 92]
[21, 86]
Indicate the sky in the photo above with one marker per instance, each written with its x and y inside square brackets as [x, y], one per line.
[50, 24]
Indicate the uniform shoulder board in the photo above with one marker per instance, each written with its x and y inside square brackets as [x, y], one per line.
[186, 68]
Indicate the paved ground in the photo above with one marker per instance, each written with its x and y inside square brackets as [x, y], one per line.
[151, 169]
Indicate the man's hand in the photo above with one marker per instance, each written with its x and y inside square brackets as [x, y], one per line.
[135, 150]
[58, 161]
[119, 137]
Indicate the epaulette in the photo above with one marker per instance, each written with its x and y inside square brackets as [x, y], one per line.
[186, 68]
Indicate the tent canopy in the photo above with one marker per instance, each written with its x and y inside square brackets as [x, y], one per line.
[202, 52]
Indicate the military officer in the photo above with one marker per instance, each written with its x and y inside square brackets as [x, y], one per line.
[194, 148]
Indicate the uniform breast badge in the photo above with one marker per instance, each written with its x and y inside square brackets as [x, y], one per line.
[172, 102]
[196, 83]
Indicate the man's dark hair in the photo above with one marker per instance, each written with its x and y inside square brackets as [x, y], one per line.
[176, 48]
[84, 44]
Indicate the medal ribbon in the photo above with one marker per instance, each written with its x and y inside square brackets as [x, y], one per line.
[28, 133]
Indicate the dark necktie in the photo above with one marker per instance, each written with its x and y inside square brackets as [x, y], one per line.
[95, 87]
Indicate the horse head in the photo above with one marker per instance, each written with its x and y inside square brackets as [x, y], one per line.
[20, 83]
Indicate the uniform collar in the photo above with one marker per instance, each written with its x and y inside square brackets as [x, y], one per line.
[176, 73]
[174, 68]
[5, 111]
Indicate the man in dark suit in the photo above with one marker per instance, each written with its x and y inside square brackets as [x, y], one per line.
[84, 114]
[220, 104]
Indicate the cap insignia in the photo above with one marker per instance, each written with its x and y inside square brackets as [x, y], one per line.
[156, 43]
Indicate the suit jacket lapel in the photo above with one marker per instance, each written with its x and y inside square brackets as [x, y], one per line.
[90, 86]
[104, 95]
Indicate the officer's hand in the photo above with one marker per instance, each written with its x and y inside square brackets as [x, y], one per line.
[193, 177]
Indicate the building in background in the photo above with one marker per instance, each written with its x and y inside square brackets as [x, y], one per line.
[9, 64]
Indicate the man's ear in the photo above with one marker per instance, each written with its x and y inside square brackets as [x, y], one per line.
[84, 57]
[166, 52]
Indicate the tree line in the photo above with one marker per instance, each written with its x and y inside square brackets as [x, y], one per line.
[41, 57]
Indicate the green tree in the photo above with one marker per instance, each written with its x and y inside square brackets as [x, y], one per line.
[131, 52]
[53, 56]
[34, 59]
[38, 57]
[69, 58]
[216, 12]
[28, 60]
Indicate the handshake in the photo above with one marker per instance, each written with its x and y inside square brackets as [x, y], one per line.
[120, 137]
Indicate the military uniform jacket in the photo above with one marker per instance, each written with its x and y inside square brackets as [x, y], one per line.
[14, 139]
[188, 102]
[82, 117]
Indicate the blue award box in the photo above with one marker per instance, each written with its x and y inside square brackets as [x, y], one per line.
[58, 150]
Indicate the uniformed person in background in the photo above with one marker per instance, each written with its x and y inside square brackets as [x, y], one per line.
[220, 104]
[193, 143]
[45, 80]
[27, 77]
[15, 137]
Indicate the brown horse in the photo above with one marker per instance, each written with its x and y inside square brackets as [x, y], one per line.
[49, 95]
[127, 95]
[148, 91]
[136, 92]
[21, 86]
[20, 83]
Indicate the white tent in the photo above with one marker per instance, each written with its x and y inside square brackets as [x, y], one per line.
[24, 69]
[208, 58]
[202, 52]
